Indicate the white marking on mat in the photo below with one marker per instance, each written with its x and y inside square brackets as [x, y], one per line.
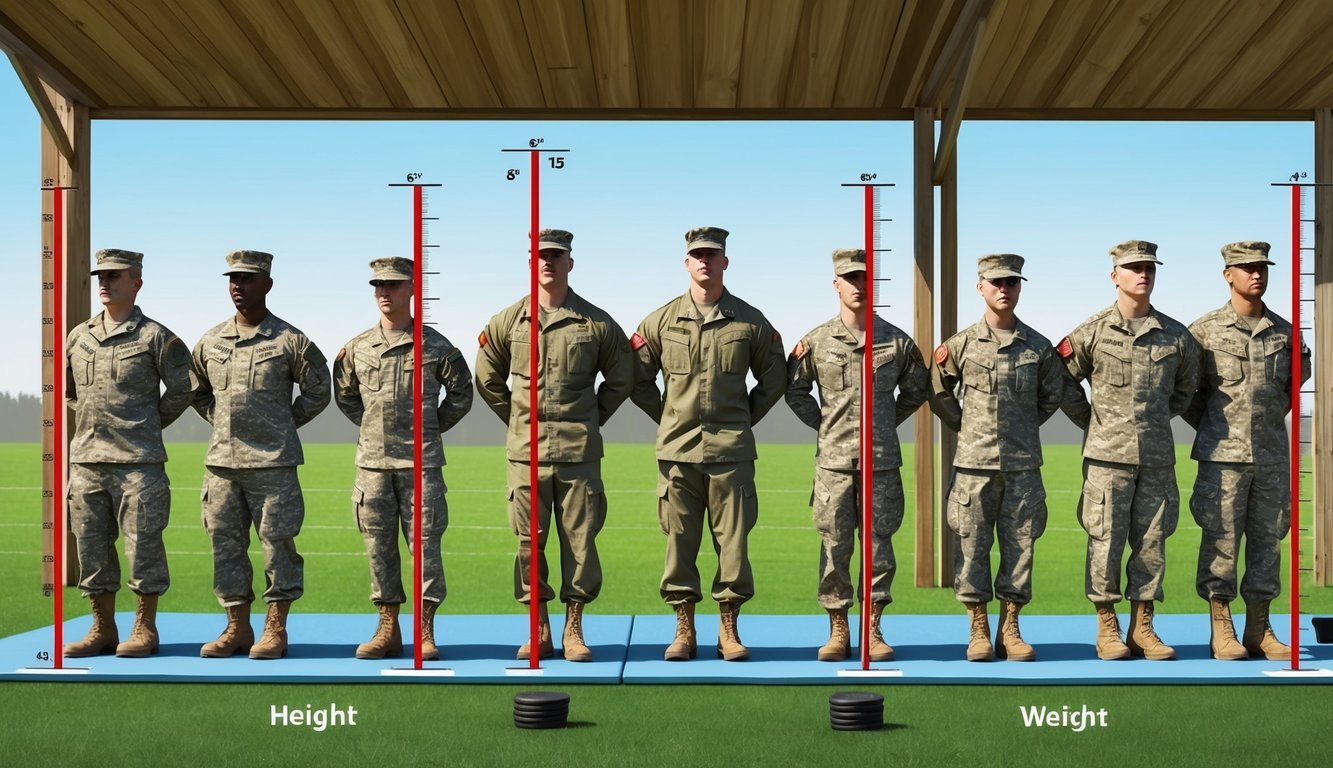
[870, 673]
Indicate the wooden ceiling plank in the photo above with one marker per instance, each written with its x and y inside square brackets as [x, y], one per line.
[268, 26]
[1211, 53]
[1108, 50]
[1316, 94]
[536, 47]
[719, 29]
[817, 58]
[46, 109]
[1267, 54]
[961, 39]
[502, 42]
[1302, 66]
[211, 83]
[334, 45]
[663, 37]
[561, 30]
[394, 55]
[447, 46]
[930, 32]
[1011, 28]
[1061, 32]
[873, 32]
[214, 31]
[61, 40]
[612, 49]
[771, 30]
[1078, 39]
[1153, 58]
[953, 118]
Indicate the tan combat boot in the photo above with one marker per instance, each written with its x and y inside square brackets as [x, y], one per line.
[1009, 644]
[1141, 639]
[102, 636]
[143, 638]
[388, 638]
[978, 644]
[273, 643]
[1259, 639]
[879, 650]
[683, 647]
[1109, 644]
[839, 645]
[571, 640]
[1224, 644]
[238, 636]
[428, 648]
[545, 648]
[729, 647]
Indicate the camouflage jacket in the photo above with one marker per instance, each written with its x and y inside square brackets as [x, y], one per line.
[1138, 384]
[706, 413]
[996, 396]
[245, 392]
[112, 383]
[372, 385]
[831, 356]
[1245, 391]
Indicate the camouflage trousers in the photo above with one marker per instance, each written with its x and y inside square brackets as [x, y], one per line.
[573, 492]
[724, 494]
[268, 499]
[836, 503]
[985, 505]
[134, 499]
[1232, 501]
[1127, 503]
[382, 500]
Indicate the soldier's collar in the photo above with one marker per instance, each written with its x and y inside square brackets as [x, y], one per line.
[381, 339]
[1151, 320]
[1233, 318]
[726, 307]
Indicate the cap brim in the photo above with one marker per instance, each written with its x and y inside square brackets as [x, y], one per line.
[991, 275]
[696, 245]
[111, 266]
[848, 271]
[396, 277]
[549, 246]
[1136, 260]
[1253, 261]
[246, 270]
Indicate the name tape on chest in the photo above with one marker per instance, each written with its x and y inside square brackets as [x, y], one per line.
[219, 352]
[267, 352]
[86, 348]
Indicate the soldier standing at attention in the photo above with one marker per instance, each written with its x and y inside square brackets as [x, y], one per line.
[831, 355]
[1243, 489]
[373, 386]
[576, 341]
[994, 384]
[703, 343]
[246, 367]
[114, 364]
[1143, 368]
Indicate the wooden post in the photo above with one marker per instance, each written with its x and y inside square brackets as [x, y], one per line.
[1321, 522]
[948, 292]
[923, 331]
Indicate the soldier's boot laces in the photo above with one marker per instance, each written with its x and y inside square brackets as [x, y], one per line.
[879, 650]
[1109, 644]
[545, 648]
[839, 645]
[387, 641]
[143, 638]
[1223, 640]
[1141, 638]
[102, 636]
[978, 645]
[237, 637]
[684, 647]
[571, 640]
[428, 648]
[1009, 643]
[273, 643]
[1259, 639]
[729, 647]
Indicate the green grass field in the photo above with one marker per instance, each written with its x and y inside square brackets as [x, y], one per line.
[99, 724]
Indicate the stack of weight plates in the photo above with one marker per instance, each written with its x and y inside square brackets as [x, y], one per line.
[537, 709]
[856, 711]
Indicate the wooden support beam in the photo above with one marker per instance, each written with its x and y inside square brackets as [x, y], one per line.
[960, 37]
[1322, 514]
[14, 42]
[962, 86]
[45, 109]
[923, 332]
[948, 293]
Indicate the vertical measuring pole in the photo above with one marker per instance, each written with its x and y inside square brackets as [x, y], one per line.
[418, 394]
[534, 533]
[1295, 459]
[58, 423]
[868, 431]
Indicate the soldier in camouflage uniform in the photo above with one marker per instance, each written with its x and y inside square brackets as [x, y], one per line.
[703, 343]
[831, 355]
[373, 385]
[994, 384]
[114, 364]
[246, 367]
[1243, 489]
[1143, 368]
[576, 341]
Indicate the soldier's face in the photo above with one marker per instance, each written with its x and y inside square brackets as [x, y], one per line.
[248, 289]
[1001, 293]
[851, 289]
[1136, 279]
[554, 267]
[115, 287]
[706, 265]
[1248, 280]
[393, 296]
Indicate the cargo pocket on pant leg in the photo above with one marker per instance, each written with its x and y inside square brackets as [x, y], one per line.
[961, 512]
[1092, 512]
[664, 505]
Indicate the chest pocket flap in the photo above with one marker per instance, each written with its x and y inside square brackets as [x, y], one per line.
[979, 373]
[734, 351]
[676, 355]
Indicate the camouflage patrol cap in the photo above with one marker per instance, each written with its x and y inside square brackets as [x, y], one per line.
[706, 237]
[109, 259]
[1134, 251]
[249, 261]
[848, 260]
[555, 239]
[1246, 252]
[998, 265]
[390, 268]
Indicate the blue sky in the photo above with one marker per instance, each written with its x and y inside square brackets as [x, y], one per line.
[315, 194]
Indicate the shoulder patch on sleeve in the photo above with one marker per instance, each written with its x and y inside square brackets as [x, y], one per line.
[481, 339]
[636, 342]
[341, 354]
[941, 354]
[1064, 349]
[800, 350]
[455, 355]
